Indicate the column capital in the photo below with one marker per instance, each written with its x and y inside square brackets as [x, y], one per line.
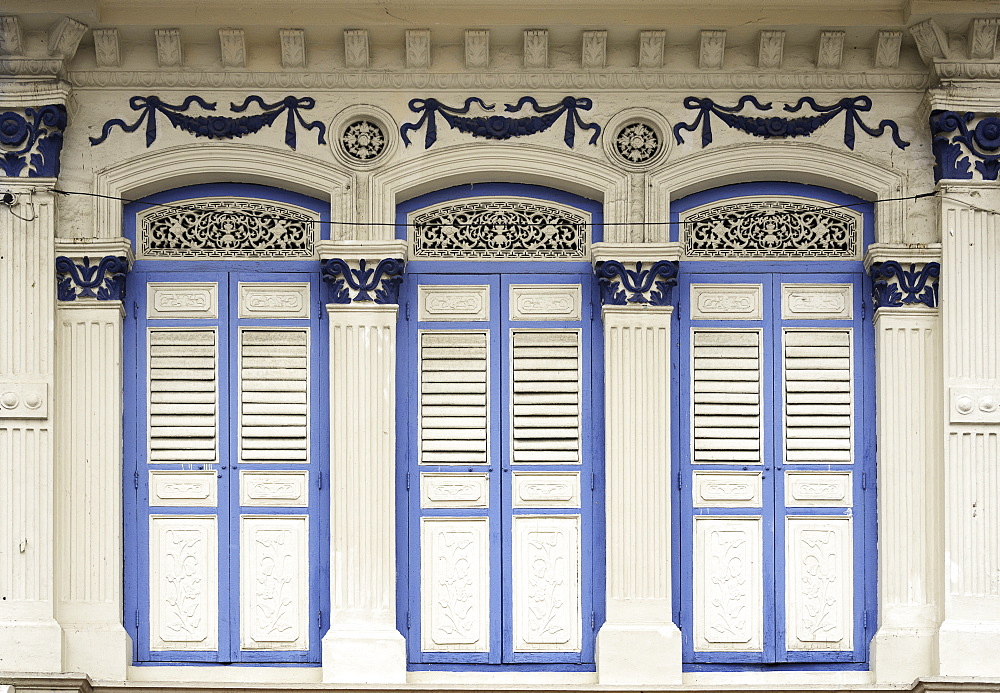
[650, 283]
[353, 281]
[92, 270]
[966, 143]
[904, 275]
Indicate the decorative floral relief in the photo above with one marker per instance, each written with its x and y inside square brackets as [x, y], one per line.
[637, 143]
[771, 228]
[30, 143]
[227, 227]
[184, 597]
[275, 590]
[728, 601]
[818, 590]
[546, 585]
[363, 140]
[454, 595]
[500, 229]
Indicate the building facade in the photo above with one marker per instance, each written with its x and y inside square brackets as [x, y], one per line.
[423, 345]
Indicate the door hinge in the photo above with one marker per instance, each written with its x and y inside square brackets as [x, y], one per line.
[864, 481]
[407, 311]
[407, 481]
[135, 310]
[864, 310]
[319, 480]
[407, 620]
[135, 478]
[319, 311]
[137, 620]
[593, 621]
[319, 619]
[679, 480]
[864, 620]
[593, 480]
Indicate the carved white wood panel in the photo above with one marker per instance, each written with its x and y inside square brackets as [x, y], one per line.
[274, 582]
[818, 490]
[726, 378]
[274, 395]
[451, 303]
[183, 583]
[183, 395]
[459, 490]
[819, 394]
[279, 488]
[182, 489]
[454, 584]
[546, 489]
[274, 299]
[728, 584]
[727, 489]
[817, 302]
[545, 301]
[546, 583]
[546, 384]
[727, 301]
[182, 300]
[453, 413]
[819, 599]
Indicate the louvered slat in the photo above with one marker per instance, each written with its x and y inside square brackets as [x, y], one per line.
[727, 380]
[818, 395]
[274, 395]
[453, 397]
[546, 397]
[183, 396]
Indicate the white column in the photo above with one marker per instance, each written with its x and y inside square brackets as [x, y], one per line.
[970, 632]
[363, 645]
[639, 643]
[30, 638]
[88, 481]
[910, 475]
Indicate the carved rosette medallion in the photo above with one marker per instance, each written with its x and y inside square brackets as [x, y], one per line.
[637, 143]
[360, 137]
[363, 140]
[636, 139]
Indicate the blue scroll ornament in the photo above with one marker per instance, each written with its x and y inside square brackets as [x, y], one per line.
[615, 279]
[951, 160]
[104, 281]
[383, 280]
[498, 127]
[216, 126]
[33, 141]
[893, 286]
[778, 127]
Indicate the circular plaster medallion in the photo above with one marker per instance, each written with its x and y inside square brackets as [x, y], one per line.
[32, 400]
[637, 142]
[363, 137]
[363, 140]
[9, 400]
[964, 404]
[636, 139]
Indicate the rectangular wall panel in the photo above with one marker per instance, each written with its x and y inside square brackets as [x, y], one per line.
[274, 299]
[546, 490]
[183, 583]
[274, 582]
[452, 303]
[278, 488]
[728, 584]
[454, 584]
[182, 489]
[182, 300]
[545, 576]
[819, 583]
[727, 301]
[545, 301]
[727, 489]
[470, 490]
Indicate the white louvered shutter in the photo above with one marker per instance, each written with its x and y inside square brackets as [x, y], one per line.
[274, 401]
[727, 396]
[546, 396]
[183, 396]
[454, 415]
[818, 395]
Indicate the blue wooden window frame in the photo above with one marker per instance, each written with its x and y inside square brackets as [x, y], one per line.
[228, 273]
[771, 273]
[499, 275]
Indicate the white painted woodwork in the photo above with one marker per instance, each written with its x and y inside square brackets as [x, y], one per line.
[974, 405]
[453, 415]
[819, 583]
[725, 489]
[546, 583]
[818, 490]
[183, 489]
[545, 489]
[24, 400]
[726, 408]
[182, 300]
[818, 396]
[727, 301]
[183, 582]
[457, 490]
[183, 395]
[728, 584]
[453, 303]
[277, 488]
[545, 301]
[274, 299]
[454, 584]
[546, 385]
[274, 582]
[817, 301]
[274, 395]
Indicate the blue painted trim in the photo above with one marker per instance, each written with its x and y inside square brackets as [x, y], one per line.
[104, 281]
[893, 286]
[32, 143]
[952, 151]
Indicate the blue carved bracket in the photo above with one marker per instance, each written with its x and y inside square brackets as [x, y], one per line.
[778, 127]
[383, 280]
[497, 127]
[620, 286]
[31, 143]
[893, 286]
[951, 158]
[104, 281]
[217, 126]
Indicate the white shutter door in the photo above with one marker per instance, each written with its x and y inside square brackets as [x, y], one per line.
[183, 395]
[453, 397]
[727, 393]
[818, 395]
[546, 396]
[274, 400]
